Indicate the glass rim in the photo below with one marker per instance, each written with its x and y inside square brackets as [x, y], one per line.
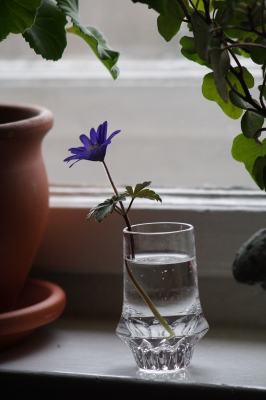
[188, 227]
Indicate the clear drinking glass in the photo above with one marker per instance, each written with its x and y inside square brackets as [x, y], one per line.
[162, 319]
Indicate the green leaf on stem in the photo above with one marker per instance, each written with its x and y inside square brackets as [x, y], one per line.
[247, 151]
[258, 54]
[247, 77]
[259, 172]
[108, 206]
[47, 36]
[250, 123]
[91, 36]
[189, 51]
[220, 63]
[202, 36]
[140, 191]
[16, 16]
[210, 92]
[238, 101]
[168, 26]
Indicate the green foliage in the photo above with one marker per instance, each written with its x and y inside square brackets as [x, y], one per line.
[202, 36]
[114, 204]
[221, 31]
[42, 24]
[251, 123]
[140, 191]
[220, 63]
[157, 5]
[210, 92]
[47, 36]
[247, 151]
[91, 35]
[168, 26]
[16, 16]
[189, 50]
[108, 206]
[259, 172]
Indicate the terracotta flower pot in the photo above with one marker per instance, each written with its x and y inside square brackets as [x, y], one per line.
[23, 195]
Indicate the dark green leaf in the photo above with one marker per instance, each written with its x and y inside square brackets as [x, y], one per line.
[219, 7]
[188, 44]
[141, 191]
[130, 191]
[140, 186]
[247, 151]
[173, 7]
[91, 35]
[257, 54]
[16, 16]
[251, 123]
[259, 172]
[149, 194]
[168, 26]
[157, 5]
[202, 36]
[220, 63]
[189, 51]
[108, 206]
[47, 36]
[238, 101]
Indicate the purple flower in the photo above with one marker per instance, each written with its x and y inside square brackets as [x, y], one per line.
[94, 148]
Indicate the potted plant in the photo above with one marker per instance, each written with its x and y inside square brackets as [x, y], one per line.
[222, 34]
[24, 187]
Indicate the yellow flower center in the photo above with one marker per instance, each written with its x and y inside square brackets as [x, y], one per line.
[93, 147]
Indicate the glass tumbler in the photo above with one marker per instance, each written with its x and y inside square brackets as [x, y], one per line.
[162, 318]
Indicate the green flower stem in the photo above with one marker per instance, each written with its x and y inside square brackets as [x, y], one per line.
[150, 303]
[124, 214]
[135, 283]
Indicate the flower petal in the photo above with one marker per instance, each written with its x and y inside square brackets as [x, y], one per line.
[102, 133]
[93, 135]
[76, 150]
[86, 141]
[113, 134]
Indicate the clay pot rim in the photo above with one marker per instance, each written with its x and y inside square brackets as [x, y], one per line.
[34, 116]
[32, 316]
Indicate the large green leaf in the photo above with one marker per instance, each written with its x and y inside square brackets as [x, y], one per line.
[47, 36]
[168, 26]
[247, 151]
[16, 16]
[250, 123]
[91, 35]
[210, 92]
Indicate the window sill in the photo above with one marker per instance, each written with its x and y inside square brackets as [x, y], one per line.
[73, 359]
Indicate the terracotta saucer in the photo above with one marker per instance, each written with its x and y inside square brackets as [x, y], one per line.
[40, 302]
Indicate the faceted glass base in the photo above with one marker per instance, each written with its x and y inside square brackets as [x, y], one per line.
[162, 354]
